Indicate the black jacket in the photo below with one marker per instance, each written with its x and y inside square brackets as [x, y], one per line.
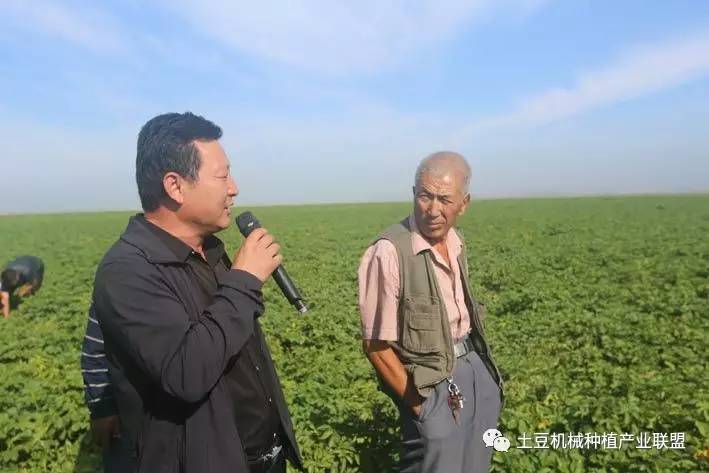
[167, 356]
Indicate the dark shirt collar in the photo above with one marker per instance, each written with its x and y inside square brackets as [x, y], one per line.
[160, 246]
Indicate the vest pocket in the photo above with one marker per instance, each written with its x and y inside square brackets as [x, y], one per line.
[422, 325]
[422, 333]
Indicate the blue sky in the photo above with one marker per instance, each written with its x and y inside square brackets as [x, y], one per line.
[326, 101]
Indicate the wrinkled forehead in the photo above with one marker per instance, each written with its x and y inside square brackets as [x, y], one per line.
[447, 167]
[441, 181]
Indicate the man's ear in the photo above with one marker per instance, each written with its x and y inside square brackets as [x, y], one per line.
[466, 202]
[174, 184]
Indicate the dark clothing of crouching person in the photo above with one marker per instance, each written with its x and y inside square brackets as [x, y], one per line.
[21, 277]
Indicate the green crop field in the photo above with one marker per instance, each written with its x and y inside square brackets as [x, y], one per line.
[598, 315]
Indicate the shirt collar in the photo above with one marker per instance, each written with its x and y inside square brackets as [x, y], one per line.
[160, 246]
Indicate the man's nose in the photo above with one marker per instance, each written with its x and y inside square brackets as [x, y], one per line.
[434, 208]
[233, 189]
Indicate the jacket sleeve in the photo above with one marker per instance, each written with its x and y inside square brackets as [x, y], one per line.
[146, 319]
[98, 391]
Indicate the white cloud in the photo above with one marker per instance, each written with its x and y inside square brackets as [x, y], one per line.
[78, 24]
[335, 37]
[639, 72]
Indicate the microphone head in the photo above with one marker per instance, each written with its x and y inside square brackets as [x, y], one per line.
[247, 223]
[300, 306]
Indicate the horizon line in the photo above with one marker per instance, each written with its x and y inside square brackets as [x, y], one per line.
[542, 196]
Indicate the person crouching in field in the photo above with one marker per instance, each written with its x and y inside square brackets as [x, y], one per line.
[21, 277]
[422, 329]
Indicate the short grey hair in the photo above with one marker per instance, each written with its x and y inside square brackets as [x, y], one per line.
[443, 163]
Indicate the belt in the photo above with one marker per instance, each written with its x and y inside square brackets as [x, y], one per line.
[464, 346]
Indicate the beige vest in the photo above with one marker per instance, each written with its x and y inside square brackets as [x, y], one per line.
[425, 345]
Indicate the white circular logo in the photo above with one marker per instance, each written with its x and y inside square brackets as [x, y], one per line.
[501, 444]
[490, 435]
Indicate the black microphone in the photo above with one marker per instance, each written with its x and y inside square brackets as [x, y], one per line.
[248, 223]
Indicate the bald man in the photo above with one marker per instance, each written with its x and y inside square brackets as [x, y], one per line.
[422, 329]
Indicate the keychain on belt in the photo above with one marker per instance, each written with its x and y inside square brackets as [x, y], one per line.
[455, 400]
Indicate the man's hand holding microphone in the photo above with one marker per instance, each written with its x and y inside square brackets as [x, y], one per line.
[259, 254]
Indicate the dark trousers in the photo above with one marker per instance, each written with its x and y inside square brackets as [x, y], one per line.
[119, 457]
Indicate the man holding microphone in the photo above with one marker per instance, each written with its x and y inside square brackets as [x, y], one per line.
[192, 377]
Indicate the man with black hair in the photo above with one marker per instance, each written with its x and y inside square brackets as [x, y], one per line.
[21, 277]
[191, 374]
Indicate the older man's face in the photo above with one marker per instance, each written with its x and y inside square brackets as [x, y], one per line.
[438, 202]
